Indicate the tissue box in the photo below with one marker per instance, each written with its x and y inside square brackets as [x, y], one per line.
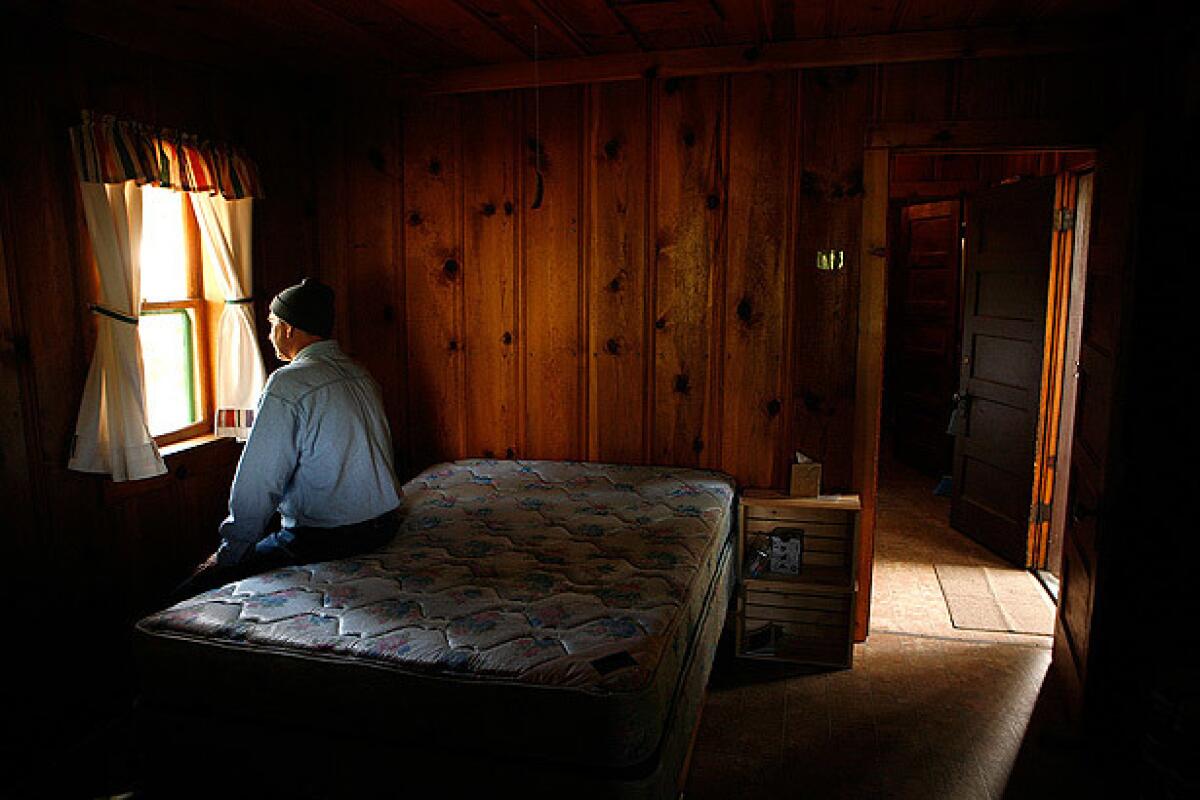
[806, 479]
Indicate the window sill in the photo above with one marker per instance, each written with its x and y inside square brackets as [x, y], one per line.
[168, 450]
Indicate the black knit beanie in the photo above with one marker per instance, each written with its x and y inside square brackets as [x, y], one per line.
[308, 306]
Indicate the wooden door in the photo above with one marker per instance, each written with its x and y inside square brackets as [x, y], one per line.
[1004, 320]
[1088, 497]
[923, 371]
[1066, 421]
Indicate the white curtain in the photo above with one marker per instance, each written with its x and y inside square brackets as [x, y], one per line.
[111, 435]
[225, 228]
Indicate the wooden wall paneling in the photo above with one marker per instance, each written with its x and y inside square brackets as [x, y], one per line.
[920, 91]
[46, 220]
[330, 127]
[1003, 88]
[552, 310]
[489, 165]
[373, 170]
[1089, 85]
[829, 208]
[433, 280]
[17, 414]
[286, 223]
[617, 155]
[689, 248]
[758, 280]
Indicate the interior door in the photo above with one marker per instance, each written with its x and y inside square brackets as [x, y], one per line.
[924, 326]
[1070, 378]
[1109, 250]
[1004, 327]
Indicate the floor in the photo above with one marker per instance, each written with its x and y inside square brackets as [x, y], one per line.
[928, 711]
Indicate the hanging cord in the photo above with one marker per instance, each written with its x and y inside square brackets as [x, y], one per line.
[540, 189]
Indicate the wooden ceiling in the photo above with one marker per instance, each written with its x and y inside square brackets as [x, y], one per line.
[406, 37]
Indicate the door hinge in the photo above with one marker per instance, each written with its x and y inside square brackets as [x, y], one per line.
[1064, 219]
[1042, 511]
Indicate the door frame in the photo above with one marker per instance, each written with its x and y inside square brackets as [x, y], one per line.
[882, 141]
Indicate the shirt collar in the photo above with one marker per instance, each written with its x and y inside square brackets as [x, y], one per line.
[317, 350]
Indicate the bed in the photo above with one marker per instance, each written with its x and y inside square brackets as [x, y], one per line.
[535, 626]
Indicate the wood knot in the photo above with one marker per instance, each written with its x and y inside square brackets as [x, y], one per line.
[773, 407]
[454, 345]
[613, 347]
[671, 86]
[615, 284]
[414, 218]
[435, 167]
[697, 444]
[489, 209]
[510, 453]
[660, 323]
[689, 138]
[744, 310]
[450, 268]
[508, 208]
[389, 313]
[682, 384]
[650, 73]
[507, 337]
[712, 201]
[611, 148]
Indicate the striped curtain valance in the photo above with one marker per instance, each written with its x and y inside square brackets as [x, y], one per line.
[112, 150]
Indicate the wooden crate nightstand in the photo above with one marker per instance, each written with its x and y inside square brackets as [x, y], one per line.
[803, 614]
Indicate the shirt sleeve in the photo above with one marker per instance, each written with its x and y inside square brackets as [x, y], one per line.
[268, 461]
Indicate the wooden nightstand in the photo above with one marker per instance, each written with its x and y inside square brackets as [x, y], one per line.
[805, 616]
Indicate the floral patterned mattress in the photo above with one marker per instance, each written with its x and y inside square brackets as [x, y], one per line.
[519, 599]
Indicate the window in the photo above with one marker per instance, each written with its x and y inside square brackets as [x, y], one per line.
[174, 321]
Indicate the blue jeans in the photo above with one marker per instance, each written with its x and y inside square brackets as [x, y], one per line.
[299, 545]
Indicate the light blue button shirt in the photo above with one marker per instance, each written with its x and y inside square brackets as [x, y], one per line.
[320, 452]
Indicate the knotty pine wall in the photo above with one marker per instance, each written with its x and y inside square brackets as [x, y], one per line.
[662, 303]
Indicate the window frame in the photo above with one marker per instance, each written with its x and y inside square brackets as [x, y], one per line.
[202, 345]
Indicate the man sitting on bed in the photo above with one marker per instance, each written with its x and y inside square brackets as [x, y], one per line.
[319, 453]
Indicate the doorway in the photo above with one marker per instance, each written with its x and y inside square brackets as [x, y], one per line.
[1000, 460]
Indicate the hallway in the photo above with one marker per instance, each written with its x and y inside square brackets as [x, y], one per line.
[928, 711]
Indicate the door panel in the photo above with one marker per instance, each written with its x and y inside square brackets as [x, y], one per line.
[1006, 276]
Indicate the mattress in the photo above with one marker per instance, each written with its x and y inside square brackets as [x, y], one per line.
[555, 612]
